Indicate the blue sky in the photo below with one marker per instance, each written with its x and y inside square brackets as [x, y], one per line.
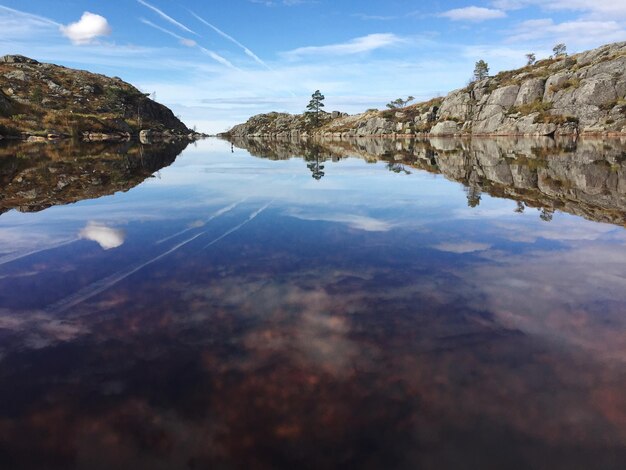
[217, 63]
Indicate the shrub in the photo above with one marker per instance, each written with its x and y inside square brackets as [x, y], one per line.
[572, 83]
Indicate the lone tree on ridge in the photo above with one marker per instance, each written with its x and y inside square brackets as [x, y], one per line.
[560, 50]
[400, 103]
[315, 105]
[531, 58]
[481, 70]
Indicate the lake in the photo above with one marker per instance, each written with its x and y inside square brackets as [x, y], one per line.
[371, 304]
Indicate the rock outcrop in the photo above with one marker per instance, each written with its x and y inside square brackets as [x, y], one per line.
[580, 94]
[42, 100]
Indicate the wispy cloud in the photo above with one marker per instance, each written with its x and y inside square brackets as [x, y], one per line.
[569, 31]
[166, 17]
[596, 9]
[247, 51]
[41, 19]
[87, 29]
[473, 13]
[359, 45]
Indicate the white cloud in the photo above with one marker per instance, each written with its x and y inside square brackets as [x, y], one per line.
[595, 9]
[357, 222]
[595, 32]
[89, 27]
[473, 14]
[462, 247]
[106, 237]
[359, 45]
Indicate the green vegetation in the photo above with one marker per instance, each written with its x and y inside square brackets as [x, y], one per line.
[570, 83]
[537, 106]
[558, 119]
[36, 95]
[481, 70]
[400, 103]
[315, 106]
[559, 50]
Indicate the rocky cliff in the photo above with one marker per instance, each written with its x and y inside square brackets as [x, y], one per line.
[44, 100]
[580, 94]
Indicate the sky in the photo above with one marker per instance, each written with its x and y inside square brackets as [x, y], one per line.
[216, 63]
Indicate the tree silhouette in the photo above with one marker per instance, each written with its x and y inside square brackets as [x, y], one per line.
[397, 167]
[481, 70]
[314, 165]
[546, 214]
[315, 105]
[473, 195]
[531, 58]
[400, 103]
[560, 50]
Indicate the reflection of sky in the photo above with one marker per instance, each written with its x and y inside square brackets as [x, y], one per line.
[230, 296]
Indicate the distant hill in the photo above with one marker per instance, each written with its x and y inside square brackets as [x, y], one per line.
[41, 100]
[580, 94]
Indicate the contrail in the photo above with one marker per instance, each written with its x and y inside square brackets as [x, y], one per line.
[190, 43]
[183, 41]
[166, 17]
[109, 281]
[15, 256]
[218, 58]
[30, 15]
[234, 229]
[247, 51]
[220, 212]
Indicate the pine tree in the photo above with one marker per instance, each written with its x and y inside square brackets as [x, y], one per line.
[315, 105]
[531, 58]
[400, 103]
[560, 50]
[481, 70]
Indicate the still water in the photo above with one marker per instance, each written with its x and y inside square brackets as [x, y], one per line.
[374, 304]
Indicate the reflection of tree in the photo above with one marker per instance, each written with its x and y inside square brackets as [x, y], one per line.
[473, 195]
[397, 168]
[316, 167]
[520, 207]
[546, 214]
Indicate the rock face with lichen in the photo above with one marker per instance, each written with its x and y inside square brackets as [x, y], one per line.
[41, 100]
[581, 94]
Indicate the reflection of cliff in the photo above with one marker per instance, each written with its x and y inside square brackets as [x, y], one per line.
[34, 177]
[585, 178]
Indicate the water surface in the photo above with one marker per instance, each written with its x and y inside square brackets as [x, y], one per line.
[371, 304]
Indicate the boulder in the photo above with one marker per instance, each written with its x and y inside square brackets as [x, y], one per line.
[445, 128]
[530, 91]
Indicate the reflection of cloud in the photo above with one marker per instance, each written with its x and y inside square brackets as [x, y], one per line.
[358, 222]
[462, 247]
[573, 297]
[105, 236]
